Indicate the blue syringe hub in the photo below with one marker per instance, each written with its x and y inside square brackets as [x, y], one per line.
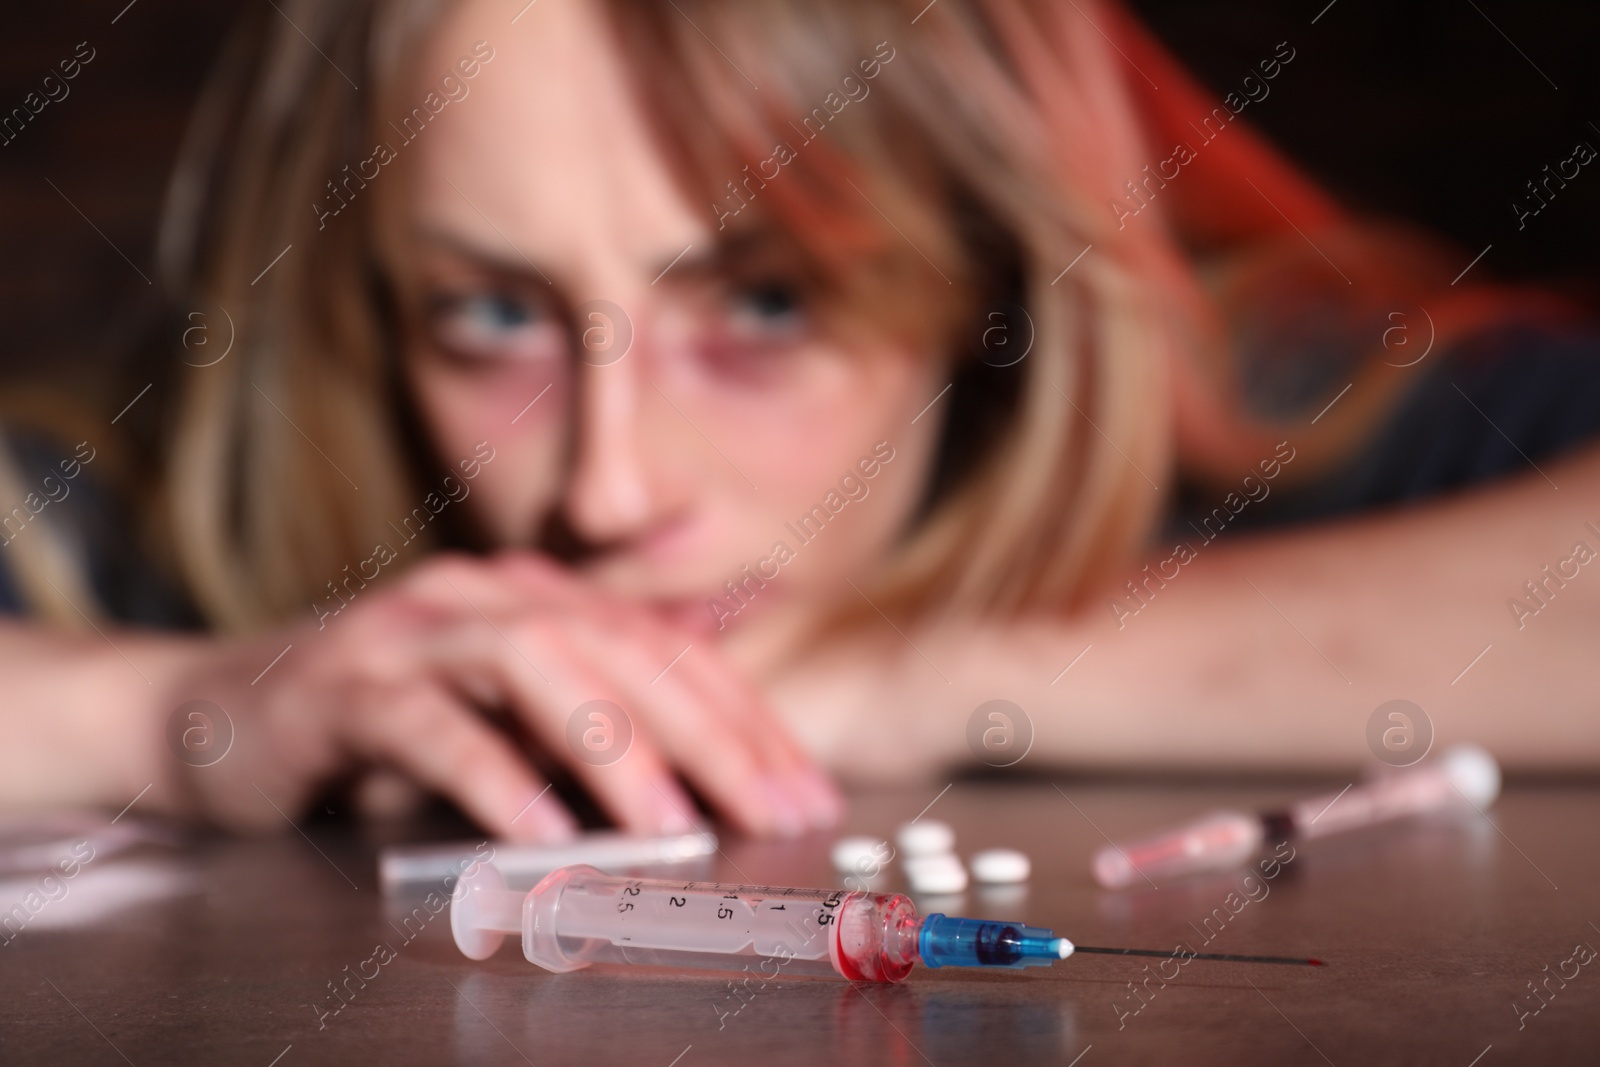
[948, 941]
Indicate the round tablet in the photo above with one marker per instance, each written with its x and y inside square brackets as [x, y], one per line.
[1474, 772]
[936, 875]
[925, 837]
[1001, 866]
[860, 855]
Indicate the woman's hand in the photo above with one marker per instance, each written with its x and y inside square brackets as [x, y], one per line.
[409, 678]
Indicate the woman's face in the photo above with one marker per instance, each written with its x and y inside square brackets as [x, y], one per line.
[546, 230]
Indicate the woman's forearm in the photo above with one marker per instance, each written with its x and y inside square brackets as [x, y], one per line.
[1273, 650]
[82, 716]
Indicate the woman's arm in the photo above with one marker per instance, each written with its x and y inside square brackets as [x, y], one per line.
[81, 716]
[1269, 650]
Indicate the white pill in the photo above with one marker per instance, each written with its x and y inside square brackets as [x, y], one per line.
[1001, 866]
[936, 875]
[860, 855]
[1474, 772]
[925, 837]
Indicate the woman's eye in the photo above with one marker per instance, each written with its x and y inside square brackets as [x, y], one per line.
[757, 326]
[767, 307]
[495, 326]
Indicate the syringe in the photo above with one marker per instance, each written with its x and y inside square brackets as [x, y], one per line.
[579, 915]
[1224, 840]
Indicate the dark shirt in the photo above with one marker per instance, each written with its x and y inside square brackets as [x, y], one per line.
[1505, 402]
[96, 528]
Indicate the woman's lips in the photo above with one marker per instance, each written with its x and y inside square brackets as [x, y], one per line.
[671, 543]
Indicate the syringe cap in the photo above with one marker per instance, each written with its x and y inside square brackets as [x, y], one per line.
[467, 923]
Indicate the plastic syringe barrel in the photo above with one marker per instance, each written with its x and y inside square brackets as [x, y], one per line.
[579, 915]
[1220, 841]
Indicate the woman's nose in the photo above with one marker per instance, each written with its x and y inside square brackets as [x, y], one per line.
[609, 495]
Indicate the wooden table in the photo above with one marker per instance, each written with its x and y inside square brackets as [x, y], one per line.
[223, 951]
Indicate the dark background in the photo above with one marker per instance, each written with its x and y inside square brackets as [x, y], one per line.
[1418, 108]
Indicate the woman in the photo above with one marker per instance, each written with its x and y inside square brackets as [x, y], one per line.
[793, 378]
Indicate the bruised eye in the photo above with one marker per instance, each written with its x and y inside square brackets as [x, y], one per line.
[756, 327]
[495, 326]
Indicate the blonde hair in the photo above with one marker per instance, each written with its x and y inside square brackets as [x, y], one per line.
[287, 458]
[1000, 131]
[48, 579]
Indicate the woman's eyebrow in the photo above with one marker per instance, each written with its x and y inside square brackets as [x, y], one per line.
[493, 260]
[732, 254]
[729, 255]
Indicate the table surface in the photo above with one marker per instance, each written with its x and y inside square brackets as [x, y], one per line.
[223, 951]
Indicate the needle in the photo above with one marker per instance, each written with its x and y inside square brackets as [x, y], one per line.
[1202, 956]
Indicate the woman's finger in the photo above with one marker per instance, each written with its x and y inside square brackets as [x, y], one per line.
[555, 695]
[430, 735]
[746, 710]
[707, 743]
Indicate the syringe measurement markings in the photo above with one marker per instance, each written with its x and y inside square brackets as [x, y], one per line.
[762, 890]
[751, 898]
